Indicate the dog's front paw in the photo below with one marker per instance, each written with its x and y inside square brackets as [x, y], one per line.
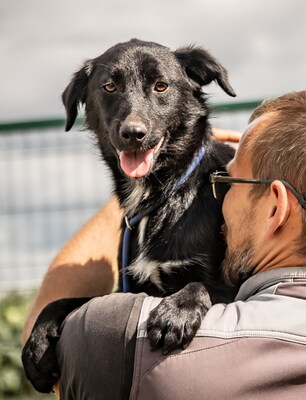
[175, 321]
[39, 358]
[39, 353]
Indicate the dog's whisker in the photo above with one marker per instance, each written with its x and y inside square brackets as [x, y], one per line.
[116, 119]
[162, 184]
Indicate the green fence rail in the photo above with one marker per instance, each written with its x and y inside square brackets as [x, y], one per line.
[60, 122]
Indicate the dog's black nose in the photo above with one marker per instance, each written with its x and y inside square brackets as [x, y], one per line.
[133, 134]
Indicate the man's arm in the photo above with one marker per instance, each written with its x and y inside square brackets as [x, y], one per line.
[86, 266]
[227, 135]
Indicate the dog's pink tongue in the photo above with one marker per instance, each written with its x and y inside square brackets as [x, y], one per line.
[135, 163]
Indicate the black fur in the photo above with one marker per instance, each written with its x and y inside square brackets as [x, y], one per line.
[182, 238]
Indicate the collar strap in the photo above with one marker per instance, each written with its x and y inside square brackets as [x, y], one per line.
[137, 218]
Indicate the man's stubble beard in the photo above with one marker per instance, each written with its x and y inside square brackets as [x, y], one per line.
[238, 262]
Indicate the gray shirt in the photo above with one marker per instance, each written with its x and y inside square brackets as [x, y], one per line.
[253, 348]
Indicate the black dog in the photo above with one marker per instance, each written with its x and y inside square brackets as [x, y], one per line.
[146, 107]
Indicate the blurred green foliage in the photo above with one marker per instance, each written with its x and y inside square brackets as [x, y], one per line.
[13, 383]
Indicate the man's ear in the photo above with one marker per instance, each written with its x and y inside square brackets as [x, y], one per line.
[279, 207]
[75, 93]
[201, 67]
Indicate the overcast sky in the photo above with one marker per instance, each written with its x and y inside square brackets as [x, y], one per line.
[262, 43]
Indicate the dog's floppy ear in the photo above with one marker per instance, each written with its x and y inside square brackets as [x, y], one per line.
[201, 67]
[75, 93]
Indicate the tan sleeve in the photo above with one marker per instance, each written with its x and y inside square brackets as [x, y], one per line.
[86, 266]
[226, 135]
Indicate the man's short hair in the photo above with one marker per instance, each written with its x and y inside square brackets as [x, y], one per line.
[279, 151]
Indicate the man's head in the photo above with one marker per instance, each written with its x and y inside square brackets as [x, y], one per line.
[265, 225]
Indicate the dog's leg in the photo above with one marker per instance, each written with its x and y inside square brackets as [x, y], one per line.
[175, 321]
[39, 353]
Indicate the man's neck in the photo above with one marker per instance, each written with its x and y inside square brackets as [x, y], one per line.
[280, 259]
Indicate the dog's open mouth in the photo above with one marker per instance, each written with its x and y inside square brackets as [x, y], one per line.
[138, 163]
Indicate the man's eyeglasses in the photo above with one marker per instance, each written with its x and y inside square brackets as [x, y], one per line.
[222, 177]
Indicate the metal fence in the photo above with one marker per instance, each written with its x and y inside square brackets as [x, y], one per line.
[51, 183]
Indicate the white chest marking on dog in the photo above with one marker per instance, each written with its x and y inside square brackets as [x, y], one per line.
[138, 194]
[144, 269]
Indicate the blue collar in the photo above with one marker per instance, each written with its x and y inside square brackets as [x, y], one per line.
[137, 218]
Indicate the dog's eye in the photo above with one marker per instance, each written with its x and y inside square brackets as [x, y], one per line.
[110, 87]
[160, 87]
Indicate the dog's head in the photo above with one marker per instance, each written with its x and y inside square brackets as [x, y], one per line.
[140, 97]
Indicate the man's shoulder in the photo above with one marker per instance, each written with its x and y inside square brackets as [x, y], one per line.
[268, 305]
